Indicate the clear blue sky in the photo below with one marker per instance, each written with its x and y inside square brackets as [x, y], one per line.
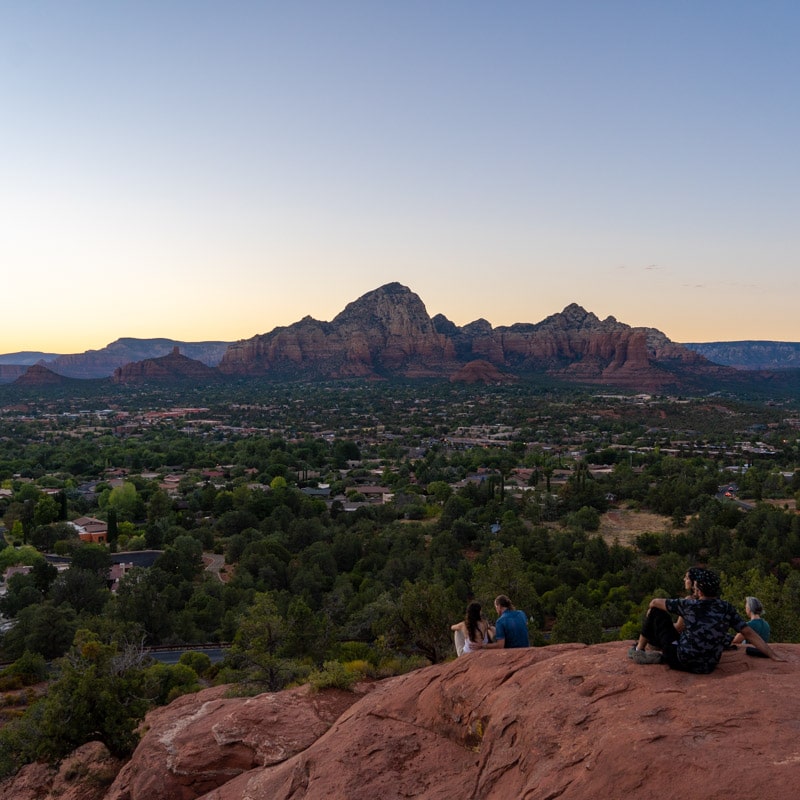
[210, 170]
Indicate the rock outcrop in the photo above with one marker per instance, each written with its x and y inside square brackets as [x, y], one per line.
[564, 721]
[172, 367]
[10, 372]
[388, 333]
[38, 375]
[102, 363]
[385, 333]
[480, 371]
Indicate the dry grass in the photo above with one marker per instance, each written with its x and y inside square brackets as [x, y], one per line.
[625, 525]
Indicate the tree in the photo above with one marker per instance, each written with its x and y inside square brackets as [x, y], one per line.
[423, 618]
[99, 694]
[257, 652]
[505, 572]
[43, 628]
[125, 501]
[576, 623]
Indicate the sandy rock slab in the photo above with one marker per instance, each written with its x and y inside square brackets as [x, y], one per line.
[567, 722]
[203, 740]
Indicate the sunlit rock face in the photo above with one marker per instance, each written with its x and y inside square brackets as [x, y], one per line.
[388, 333]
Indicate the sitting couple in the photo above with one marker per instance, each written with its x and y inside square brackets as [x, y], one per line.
[696, 641]
[475, 632]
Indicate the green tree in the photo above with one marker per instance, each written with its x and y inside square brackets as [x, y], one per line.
[99, 694]
[257, 652]
[576, 623]
[423, 618]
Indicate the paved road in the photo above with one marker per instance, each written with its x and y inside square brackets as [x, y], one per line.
[214, 564]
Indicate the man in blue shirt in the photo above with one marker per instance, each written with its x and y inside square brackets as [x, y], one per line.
[511, 629]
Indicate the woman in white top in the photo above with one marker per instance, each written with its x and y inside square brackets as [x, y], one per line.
[473, 628]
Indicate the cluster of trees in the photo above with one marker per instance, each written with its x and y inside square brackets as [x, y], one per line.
[310, 584]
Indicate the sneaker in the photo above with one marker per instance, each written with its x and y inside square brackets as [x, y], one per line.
[646, 657]
[631, 651]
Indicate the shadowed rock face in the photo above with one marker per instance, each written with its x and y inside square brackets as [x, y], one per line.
[565, 721]
[172, 366]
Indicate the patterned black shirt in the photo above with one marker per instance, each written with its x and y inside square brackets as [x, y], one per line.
[707, 621]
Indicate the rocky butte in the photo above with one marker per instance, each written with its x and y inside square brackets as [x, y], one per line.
[565, 721]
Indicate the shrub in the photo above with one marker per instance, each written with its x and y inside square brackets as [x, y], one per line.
[333, 675]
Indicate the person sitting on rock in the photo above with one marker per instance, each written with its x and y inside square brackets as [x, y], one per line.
[511, 628]
[707, 619]
[473, 629]
[754, 609]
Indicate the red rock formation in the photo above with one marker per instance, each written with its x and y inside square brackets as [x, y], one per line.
[10, 372]
[86, 774]
[387, 332]
[37, 375]
[102, 363]
[173, 366]
[565, 721]
[480, 372]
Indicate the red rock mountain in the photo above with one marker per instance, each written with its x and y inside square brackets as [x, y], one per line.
[388, 332]
[173, 366]
[565, 721]
[385, 333]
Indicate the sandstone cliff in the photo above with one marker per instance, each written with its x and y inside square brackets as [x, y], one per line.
[385, 333]
[565, 721]
[388, 332]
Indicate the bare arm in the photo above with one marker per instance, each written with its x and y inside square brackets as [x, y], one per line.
[658, 602]
[496, 645]
[754, 639]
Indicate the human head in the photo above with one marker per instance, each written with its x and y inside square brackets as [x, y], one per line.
[707, 582]
[473, 612]
[690, 577]
[753, 605]
[502, 603]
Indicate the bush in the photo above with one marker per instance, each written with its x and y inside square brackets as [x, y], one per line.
[333, 675]
[199, 662]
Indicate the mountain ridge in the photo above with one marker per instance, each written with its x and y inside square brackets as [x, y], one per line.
[387, 333]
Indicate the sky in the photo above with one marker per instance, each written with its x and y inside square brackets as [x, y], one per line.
[203, 170]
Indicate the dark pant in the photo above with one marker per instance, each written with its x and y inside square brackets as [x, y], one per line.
[660, 632]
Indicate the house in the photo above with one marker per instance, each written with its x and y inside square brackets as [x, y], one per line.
[91, 529]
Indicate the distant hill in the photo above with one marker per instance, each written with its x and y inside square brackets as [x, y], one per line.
[751, 355]
[26, 358]
[102, 363]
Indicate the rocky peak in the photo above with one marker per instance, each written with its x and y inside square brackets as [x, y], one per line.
[39, 375]
[170, 367]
